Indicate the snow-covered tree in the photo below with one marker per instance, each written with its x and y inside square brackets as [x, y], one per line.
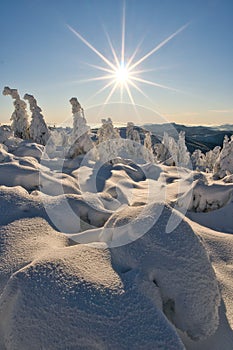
[148, 152]
[19, 118]
[132, 133]
[211, 158]
[81, 142]
[172, 152]
[198, 160]
[39, 131]
[224, 162]
[166, 151]
[161, 149]
[109, 141]
[134, 149]
[183, 157]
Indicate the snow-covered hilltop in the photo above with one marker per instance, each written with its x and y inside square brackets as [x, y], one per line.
[111, 242]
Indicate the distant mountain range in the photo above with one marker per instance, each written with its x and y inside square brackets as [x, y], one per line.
[204, 138]
[197, 137]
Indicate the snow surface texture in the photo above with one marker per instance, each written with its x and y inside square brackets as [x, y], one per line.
[87, 259]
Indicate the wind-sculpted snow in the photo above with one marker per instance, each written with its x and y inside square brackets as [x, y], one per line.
[15, 202]
[70, 297]
[203, 197]
[176, 262]
[95, 255]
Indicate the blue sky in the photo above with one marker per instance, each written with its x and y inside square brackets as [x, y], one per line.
[40, 55]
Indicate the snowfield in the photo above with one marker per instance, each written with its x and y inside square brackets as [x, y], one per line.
[104, 247]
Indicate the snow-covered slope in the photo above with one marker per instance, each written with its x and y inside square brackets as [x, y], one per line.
[101, 256]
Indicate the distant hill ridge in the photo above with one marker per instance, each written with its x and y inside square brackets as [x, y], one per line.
[197, 137]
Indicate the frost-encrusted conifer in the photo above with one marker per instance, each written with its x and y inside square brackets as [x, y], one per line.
[132, 147]
[171, 152]
[39, 131]
[224, 163]
[198, 160]
[211, 158]
[81, 142]
[148, 148]
[132, 133]
[19, 118]
[183, 157]
[109, 141]
[166, 150]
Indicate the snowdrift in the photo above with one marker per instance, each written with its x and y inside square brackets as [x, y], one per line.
[88, 259]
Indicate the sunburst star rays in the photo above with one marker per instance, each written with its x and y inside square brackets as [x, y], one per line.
[121, 74]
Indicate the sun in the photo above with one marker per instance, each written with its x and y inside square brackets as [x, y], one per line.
[122, 75]
[119, 73]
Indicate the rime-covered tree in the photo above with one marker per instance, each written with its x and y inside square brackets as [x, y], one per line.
[183, 157]
[39, 131]
[164, 149]
[211, 158]
[172, 152]
[148, 148]
[132, 148]
[109, 141]
[132, 133]
[81, 142]
[160, 152]
[19, 118]
[224, 162]
[198, 160]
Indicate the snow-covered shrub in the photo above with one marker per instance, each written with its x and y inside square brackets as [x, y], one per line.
[132, 133]
[5, 133]
[224, 162]
[172, 153]
[135, 150]
[198, 160]
[39, 131]
[211, 158]
[108, 141]
[205, 162]
[183, 157]
[148, 148]
[81, 142]
[19, 118]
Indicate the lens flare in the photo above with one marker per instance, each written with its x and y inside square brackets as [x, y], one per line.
[119, 72]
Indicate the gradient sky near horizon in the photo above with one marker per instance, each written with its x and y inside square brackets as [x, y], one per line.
[40, 55]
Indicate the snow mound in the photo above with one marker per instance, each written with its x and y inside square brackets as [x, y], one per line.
[29, 149]
[175, 262]
[67, 212]
[5, 133]
[218, 220]
[70, 297]
[203, 198]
